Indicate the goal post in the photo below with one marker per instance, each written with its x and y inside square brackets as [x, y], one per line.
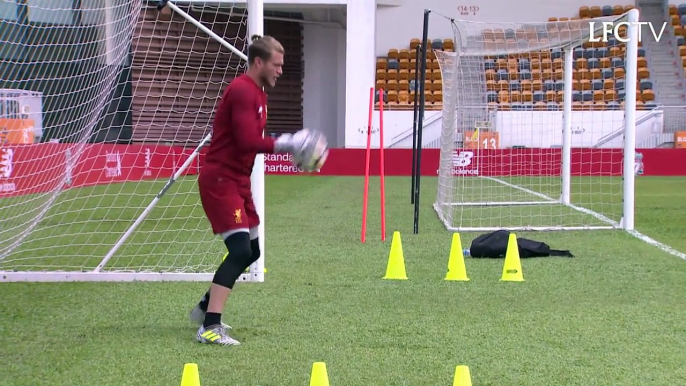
[540, 122]
[105, 188]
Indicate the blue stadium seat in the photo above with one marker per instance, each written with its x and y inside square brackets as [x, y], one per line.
[376, 96]
[589, 53]
[413, 85]
[490, 64]
[491, 96]
[593, 63]
[646, 84]
[548, 85]
[437, 44]
[613, 105]
[524, 64]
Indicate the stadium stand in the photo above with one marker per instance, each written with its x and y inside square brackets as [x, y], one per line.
[532, 80]
[677, 16]
[162, 101]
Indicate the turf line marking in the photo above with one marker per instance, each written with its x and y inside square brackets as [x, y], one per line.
[635, 233]
[653, 242]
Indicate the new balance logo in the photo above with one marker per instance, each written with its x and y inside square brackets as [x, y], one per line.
[461, 161]
[463, 158]
[6, 161]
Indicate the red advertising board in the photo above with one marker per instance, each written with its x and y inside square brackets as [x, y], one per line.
[35, 168]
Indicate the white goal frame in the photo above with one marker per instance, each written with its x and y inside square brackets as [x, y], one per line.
[629, 133]
[255, 23]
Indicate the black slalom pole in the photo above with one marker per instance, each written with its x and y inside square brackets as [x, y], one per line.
[414, 121]
[420, 119]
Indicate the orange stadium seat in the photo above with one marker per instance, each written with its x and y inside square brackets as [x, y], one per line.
[535, 79]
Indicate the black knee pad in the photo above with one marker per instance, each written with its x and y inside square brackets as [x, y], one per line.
[255, 246]
[233, 266]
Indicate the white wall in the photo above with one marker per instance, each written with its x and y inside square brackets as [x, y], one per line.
[537, 129]
[397, 25]
[544, 128]
[324, 82]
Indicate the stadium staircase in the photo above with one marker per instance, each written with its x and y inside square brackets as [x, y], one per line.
[667, 83]
[666, 67]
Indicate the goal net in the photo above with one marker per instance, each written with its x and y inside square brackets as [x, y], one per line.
[539, 123]
[107, 110]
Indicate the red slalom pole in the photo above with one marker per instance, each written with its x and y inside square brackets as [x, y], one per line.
[365, 197]
[381, 168]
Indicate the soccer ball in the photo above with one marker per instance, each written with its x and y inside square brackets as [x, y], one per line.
[312, 155]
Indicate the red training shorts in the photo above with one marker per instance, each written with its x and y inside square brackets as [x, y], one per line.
[227, 203]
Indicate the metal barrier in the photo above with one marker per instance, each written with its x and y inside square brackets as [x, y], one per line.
[674, 119]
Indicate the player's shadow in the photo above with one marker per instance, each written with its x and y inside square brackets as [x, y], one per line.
[152, 332]
[181, 332]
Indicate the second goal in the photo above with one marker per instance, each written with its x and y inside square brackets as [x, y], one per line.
[539, 124]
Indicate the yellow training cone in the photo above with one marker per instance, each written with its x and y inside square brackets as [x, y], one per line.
[512, 269]
[319, 377]
[462, 376]
[456, 268]
[395, 270]
[190, 375]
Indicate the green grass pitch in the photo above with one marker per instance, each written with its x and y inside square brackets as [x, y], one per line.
[614, 315]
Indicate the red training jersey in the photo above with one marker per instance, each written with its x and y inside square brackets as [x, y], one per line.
[239, 123]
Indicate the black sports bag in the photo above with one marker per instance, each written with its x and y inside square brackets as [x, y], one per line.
[494, 245]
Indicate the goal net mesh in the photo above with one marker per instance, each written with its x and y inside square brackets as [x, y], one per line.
[116, 97]
[502, 137]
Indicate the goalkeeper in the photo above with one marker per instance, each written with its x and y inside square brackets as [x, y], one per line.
[224, 179]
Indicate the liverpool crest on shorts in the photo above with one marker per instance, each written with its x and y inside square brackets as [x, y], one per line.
[238, 216]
